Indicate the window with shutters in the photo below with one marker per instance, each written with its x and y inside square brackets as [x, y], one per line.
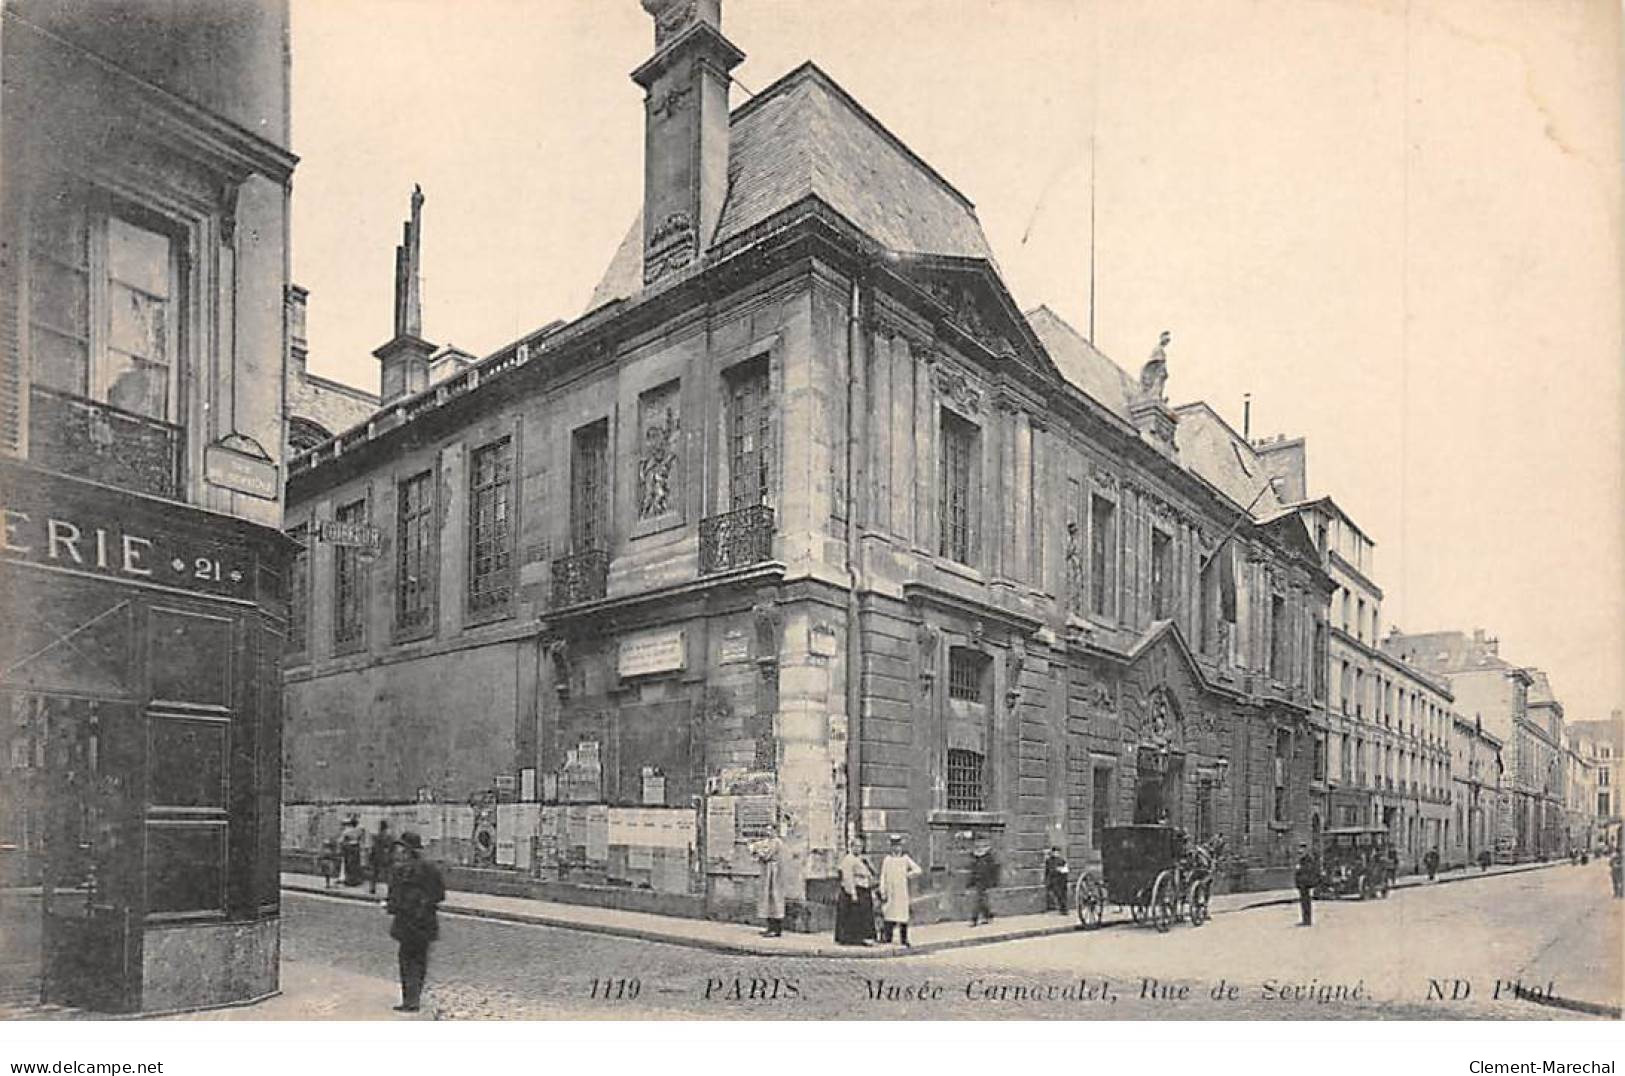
[349, 599]
[299, 591]
[959, 443]
[415, 555]
[103, 330]
[490, 529]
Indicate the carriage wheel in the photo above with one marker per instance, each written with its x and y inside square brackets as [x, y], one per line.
[1197, 899]
[1164, 902]
[1091, 904]
[1140, 910]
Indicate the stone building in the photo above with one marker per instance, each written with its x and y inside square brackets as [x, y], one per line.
[318, 407]
[1476, 772]
[1488, 687]
[1389, 725]
[144, 187]
[804, 525]
[1602, 743]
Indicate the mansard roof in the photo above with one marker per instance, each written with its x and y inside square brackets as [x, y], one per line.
[804, 137]
[1081, 363]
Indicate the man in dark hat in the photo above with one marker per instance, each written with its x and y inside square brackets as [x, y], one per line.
[415, 891]
[1306, 877]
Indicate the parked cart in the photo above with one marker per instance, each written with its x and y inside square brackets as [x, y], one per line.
[1355, 861]
[1154, 872]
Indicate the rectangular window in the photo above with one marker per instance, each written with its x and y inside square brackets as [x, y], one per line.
[1204, 809]
[1320, 757]
[1603, 804]
[965, 787]
[490, 528]
[958, 463]
[1320, 659]
[1102, 555]
[750, 437]
[348, 603]
[1283, 757]
[967, 668]
[589, 488]
[1346, 759]
[299, 591]
[1602, 778]
[102, 317]
[415, 553]
[1100, 811]
[1278, 637]
[1162, 576]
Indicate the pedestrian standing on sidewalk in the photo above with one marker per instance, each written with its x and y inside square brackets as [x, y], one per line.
[855, 904]
[1306, 877]
[415, 891]
[351, 837]
[1056, 875]
[381, 856]
[1484, 860]
[1615, 868]
[770, 896]
[984, 875]
[328, 862]
[1432, 862]
[895, 872]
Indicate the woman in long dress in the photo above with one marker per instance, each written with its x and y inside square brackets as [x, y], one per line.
[895, 872]
[854, 905]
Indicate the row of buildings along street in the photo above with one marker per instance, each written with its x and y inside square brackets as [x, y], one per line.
[805, 526]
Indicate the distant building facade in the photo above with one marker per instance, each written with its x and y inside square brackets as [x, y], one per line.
[805, 526]
[318, 407]
[1602, 743]
[1476, 772]
[144, 194]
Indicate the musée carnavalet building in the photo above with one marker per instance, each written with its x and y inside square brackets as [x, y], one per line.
[805, 526]
[144, 191]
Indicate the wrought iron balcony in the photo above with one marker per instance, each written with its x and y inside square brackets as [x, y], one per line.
[736, 539]
[580, 577]
[103, 443]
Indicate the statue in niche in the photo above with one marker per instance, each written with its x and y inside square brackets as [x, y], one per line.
[558, 651]
[1154, 374]
[657, 464]
[1074, 568]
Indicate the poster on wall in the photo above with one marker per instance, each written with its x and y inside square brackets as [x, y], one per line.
[719, 830]
[598, 834]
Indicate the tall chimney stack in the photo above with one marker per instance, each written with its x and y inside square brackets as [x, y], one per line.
[404, 360]
[685, 132]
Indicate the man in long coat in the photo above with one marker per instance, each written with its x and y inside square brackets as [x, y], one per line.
[895, 871]
[770, 896]
[415, 891]
[1306, 877]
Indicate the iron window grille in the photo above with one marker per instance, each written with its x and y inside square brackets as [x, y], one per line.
[415, 575]
[965, 789]
[490, 582]
[589, 488]
[966, 672]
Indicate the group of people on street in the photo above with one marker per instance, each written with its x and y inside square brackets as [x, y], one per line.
[855, 903]
[357, 857]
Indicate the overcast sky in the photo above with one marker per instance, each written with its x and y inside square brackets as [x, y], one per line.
[1398, 229]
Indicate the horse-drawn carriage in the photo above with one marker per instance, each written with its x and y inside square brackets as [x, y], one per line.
[1154, 872]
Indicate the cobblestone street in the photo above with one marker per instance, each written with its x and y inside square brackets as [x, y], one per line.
[1361, 960]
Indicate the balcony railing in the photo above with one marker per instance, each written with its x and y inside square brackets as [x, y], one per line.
[103, 443]
[580, 577]
[736, 539]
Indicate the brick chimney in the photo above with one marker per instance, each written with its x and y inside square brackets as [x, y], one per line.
[685, 132]
[404, 361]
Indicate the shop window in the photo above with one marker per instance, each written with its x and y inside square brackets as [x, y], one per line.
[490, 528]
[589, 488]
[1162, 576]
[415, 553]
[1102, 555]
[750, 436]
[348, 597]
[967, 671]
[966, 789]
[299, 591]
[959, 442]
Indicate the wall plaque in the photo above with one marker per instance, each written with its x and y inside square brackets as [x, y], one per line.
[654, 652]
[733, 648]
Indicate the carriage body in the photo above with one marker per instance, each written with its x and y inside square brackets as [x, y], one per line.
[1151, 871]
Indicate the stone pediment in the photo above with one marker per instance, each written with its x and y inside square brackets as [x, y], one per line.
[1166, 702]
[970, 299]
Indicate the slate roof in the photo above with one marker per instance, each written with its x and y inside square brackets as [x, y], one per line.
[802, 136]
[1088, 369]
[1540, 689]
[1208, 446]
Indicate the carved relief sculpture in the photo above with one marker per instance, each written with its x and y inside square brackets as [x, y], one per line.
[1076, 592]
[928, 638]
[672, 245]
[657, 464]
[558, 652]
[671, 17]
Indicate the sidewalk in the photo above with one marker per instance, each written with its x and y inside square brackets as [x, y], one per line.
[746, 939]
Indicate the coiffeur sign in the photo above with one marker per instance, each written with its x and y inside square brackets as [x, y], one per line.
[107, 548]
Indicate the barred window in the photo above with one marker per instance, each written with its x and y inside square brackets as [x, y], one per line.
[965, 789]
[966, 670]
[958, 455]
[589, 488]
[415, 566]
[490, 530]
[299, 591]
[750, 435]
[348, 622]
